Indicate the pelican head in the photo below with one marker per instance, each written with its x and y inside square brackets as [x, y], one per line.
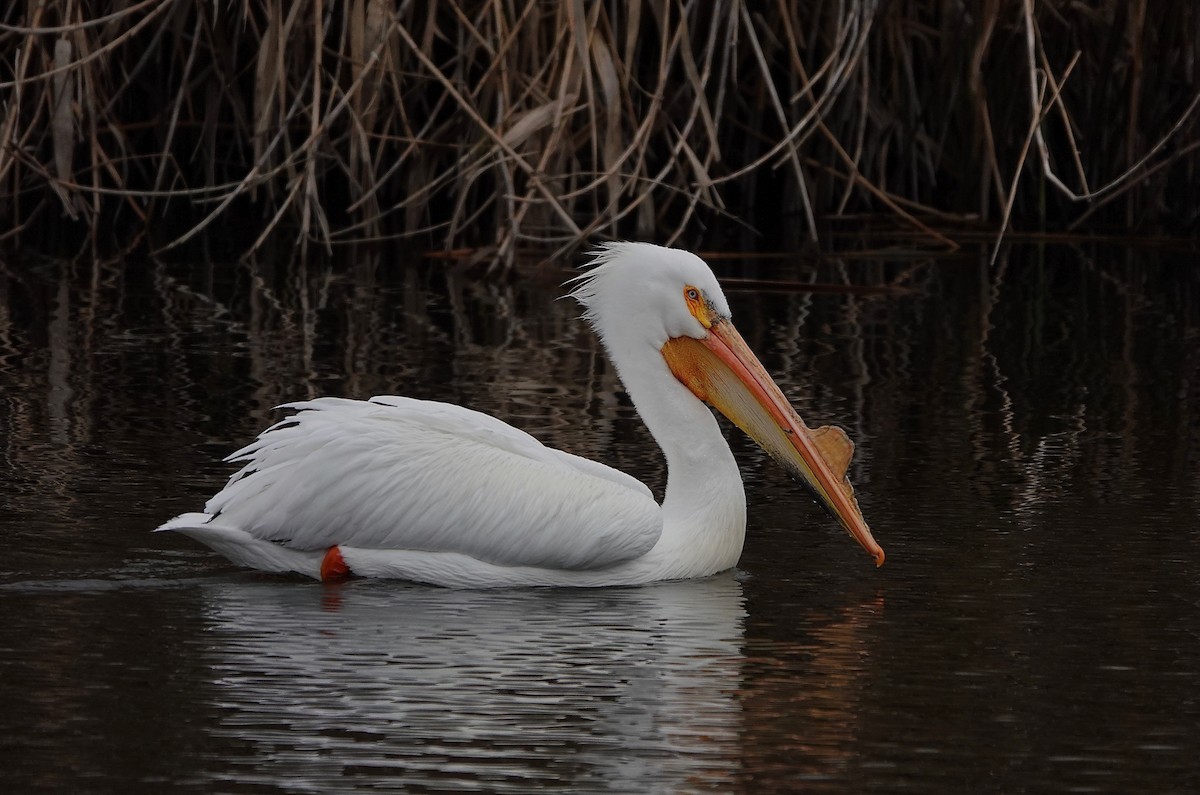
[649, 303]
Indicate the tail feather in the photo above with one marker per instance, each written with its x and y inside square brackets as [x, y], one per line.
[244, 549]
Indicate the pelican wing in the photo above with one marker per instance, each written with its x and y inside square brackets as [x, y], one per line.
[402, 474]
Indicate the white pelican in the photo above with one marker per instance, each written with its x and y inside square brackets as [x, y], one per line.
[436, 493]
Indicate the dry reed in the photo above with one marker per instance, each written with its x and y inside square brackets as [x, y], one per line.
[502, 124]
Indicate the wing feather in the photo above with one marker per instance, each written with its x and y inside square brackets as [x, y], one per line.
[399, 473]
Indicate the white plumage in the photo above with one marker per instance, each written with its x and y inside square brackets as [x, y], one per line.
[438, 493]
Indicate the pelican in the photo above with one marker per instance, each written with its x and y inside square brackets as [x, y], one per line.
[440, 494]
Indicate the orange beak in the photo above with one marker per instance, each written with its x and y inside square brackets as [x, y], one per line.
[721, 370]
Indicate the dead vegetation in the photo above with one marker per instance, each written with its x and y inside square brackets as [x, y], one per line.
[494, 125]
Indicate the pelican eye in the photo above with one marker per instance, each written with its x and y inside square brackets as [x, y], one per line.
[700, 308]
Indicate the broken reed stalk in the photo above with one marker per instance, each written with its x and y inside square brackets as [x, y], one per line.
[501, 124]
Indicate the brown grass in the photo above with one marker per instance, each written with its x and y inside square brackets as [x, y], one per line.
[501, 124]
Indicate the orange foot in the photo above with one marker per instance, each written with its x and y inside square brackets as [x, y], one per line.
[333, 566]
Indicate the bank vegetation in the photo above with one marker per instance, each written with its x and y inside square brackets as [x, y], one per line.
[498, 125]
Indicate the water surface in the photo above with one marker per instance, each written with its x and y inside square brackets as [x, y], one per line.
[1025, 437]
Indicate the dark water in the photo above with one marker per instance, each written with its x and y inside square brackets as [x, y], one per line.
[1026, 438]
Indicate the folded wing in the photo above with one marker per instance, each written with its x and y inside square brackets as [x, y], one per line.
[402, 474]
